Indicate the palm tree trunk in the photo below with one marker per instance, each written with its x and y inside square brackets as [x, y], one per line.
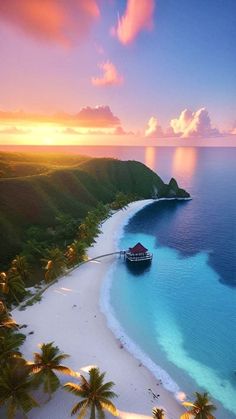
[92, 415]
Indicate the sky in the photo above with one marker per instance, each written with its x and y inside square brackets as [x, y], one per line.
[118, 72]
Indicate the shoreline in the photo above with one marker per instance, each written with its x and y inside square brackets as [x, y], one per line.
[73, 305]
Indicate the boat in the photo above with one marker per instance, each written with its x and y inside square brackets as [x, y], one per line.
[138, 254]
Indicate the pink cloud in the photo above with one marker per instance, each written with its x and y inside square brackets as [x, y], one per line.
[138, 16]
[153, 129]
[120, 131]
[193, 124]
[99, 116]
[110, 76]
[56, 21]
[117, 131]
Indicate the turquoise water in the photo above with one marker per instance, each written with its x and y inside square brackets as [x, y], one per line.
[182, 317]
[182, 311]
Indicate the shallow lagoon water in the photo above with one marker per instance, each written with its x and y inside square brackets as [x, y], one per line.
[177, 311]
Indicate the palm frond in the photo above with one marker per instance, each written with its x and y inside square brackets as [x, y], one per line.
[186, 415]
[27, 402]
[188, 404]
[73, 388]
[109, 406]
[64, 370]
[61, 357]
[82, 406]
[107, 386]
[100, 413]
[50, 381]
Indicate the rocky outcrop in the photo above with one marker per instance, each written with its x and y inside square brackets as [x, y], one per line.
[175, 192]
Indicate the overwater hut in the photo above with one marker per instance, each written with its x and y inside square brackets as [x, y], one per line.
[138, 253]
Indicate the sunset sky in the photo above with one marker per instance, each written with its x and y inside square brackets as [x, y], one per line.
[118, 71]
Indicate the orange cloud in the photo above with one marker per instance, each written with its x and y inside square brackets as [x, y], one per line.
[97, 117]
[110, 131]
[14, 131]
[138, 16]
[57, 21]
[110, 76]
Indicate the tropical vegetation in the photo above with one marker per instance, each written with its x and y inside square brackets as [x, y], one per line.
[96, 395]
[200, 408]
[75, 253]
[158, 413]
[55, 264]
[45, 366]
[12, 285]
[16, 387]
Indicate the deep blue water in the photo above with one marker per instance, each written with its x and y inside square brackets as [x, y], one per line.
[182, 310]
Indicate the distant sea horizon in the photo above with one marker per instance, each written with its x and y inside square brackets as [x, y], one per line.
[90, 145]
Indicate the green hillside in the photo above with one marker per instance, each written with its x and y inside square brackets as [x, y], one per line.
[57, 186]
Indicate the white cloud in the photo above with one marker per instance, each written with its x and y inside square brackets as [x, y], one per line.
[193, 124]
[153, 129]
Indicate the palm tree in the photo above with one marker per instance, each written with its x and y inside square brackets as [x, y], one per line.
[201, 408]
[20, 267]
[75, 253]
[12, 285]
[10, 343]
[44, 365]
[101, 212]
[158, 413]
[121, 201]
[89, 229]
[6, 321]
[95, 395]
[15, 386]
[55, 264]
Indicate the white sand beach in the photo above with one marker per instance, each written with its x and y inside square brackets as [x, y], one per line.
[69, 314]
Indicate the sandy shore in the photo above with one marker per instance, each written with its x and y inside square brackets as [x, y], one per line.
[69, 315]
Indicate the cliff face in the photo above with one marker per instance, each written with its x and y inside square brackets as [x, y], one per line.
[38, 199]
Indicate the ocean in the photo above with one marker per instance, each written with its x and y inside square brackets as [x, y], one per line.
[179, 315]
